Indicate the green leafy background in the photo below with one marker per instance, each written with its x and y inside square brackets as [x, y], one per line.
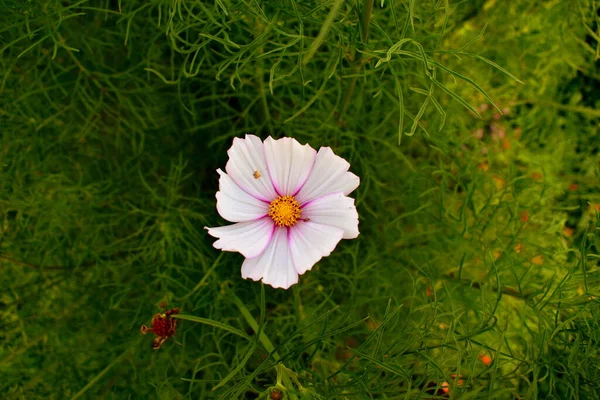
[472, 124]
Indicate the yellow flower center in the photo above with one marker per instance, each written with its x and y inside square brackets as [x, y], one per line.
[285, 211]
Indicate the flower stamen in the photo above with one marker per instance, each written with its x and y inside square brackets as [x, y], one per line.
[285, 211]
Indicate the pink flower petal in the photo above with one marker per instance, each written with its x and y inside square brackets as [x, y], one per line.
[289, 164]
[249, 238]
[329, 175]
[235, 205]
[274, 266]
[309, 242]
[246, 158]
[334, 210]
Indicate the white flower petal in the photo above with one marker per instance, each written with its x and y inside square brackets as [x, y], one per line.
[274, 266]
[235, 205]
[335, 210]
[329, 175]
[309, 242]
[249, 238]
[246, 157]
[289, 164]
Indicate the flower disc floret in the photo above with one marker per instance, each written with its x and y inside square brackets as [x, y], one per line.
[285, 211]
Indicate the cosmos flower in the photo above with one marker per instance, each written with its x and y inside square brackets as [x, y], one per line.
[289, 204]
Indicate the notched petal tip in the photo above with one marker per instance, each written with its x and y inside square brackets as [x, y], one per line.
[246, 157]
[356, 179]
[284, 287]
[274, 266]
[330, 174]
[250, 136]
[289, 164]
[247, 238]
[309, 242]
[280, 284]
[335, 210]
[236, 205]
[353, 234]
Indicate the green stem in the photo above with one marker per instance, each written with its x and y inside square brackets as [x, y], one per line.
[95, 379]
[364, 35]
[264, 340]
[366, 20]
[260, 80]
[327, 24]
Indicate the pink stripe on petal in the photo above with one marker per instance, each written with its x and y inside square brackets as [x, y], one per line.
[249, 192]
[246, 157]
[328, 175]
[248, 238]
[274, 266]
[334, 210]
[309, 242]
[289, 163]
[307, 177]
[269, 169]
[322, 198]
[235, 205]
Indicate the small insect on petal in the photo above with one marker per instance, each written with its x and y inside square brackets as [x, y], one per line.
[256, 175]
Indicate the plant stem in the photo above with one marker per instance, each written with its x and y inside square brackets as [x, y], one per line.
[366, 19]
[367, 8]
[264, 340]
[260, 80]
[477, 285]
[327, 24]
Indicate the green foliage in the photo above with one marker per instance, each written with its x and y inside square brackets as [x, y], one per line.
[472, 124]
